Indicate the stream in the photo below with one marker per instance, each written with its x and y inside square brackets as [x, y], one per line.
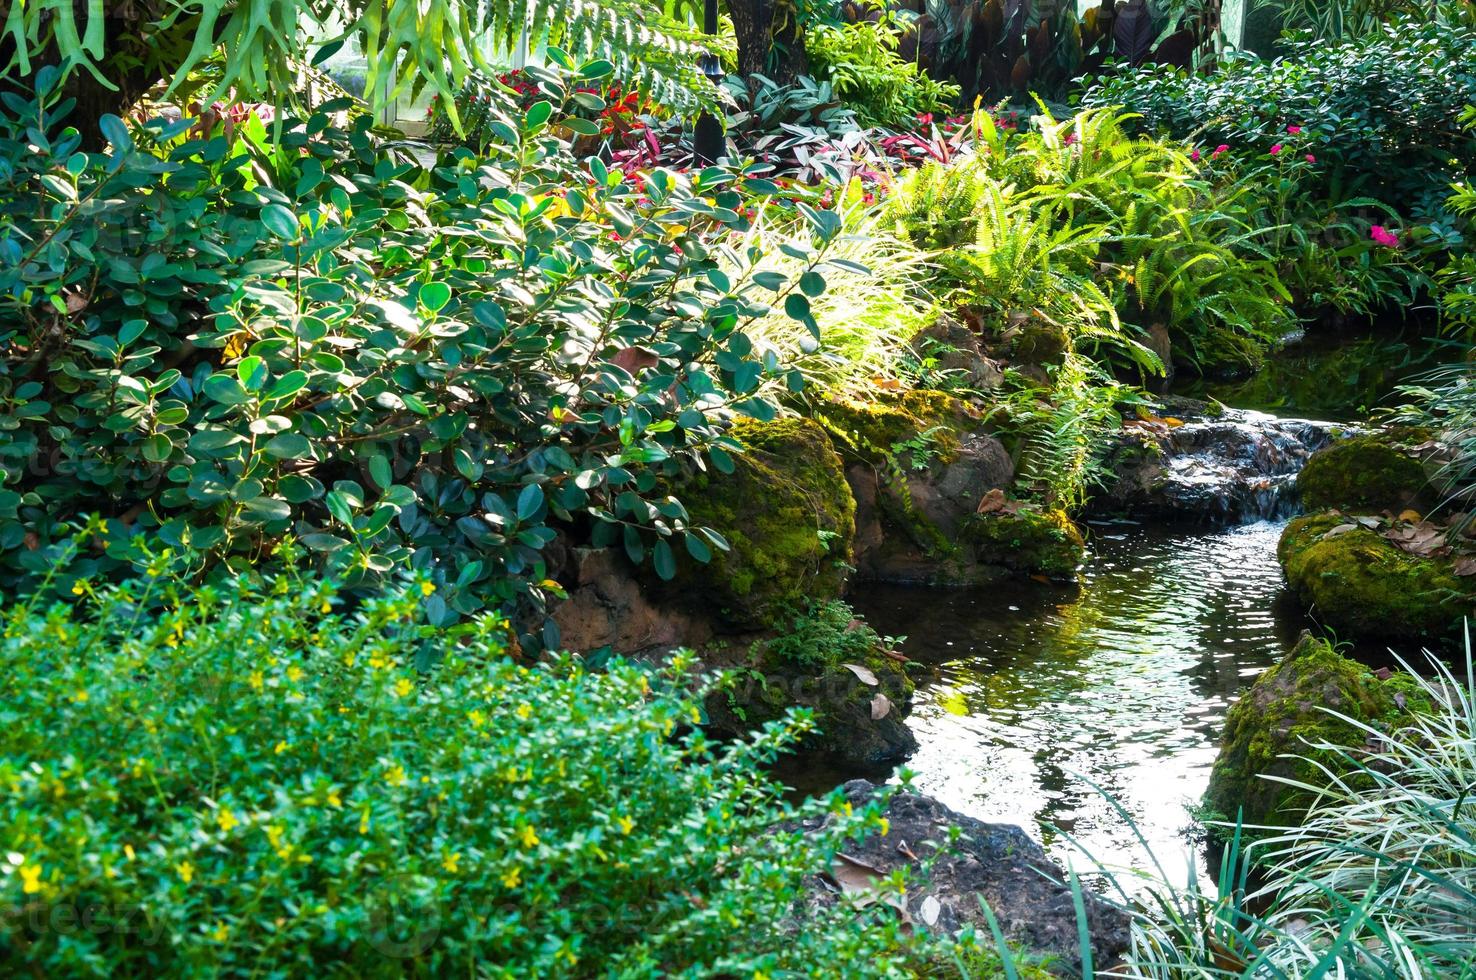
[1052, 707]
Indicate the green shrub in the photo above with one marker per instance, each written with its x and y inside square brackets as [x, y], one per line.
[1383, 109]
[261, 779]
[318, 338]
[861, 61]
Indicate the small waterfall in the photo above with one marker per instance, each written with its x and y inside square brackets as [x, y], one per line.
[1234, 467]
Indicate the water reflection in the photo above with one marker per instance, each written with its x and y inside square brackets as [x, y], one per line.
[1124, 682]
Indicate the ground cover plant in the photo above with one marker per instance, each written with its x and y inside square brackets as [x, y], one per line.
[262, 777]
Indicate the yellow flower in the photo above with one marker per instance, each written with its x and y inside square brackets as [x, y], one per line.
[186, 871]
[279, 748]
[221, 932]
[403, 686]
[477, 718]
[326, 606]
[128, 850]
[294, 673]
[525, 710]
[30, 878]
[77, 588]
[511, 877]
[256, 680]
[80, 696]
[364, 823]
[884, 825]
[451, 862]
[395, 776]
[334, 800]
[227, 820]
[626, 824]
[529, 837]
[426, 588]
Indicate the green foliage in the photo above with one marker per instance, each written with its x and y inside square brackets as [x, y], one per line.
[822, 635]
[404, 44]
[868, 302]
[1062, 431]
[1383, 110]
[861, 61]
[1105, 233]
[394, 366]
[1338, 19]
[250, 780]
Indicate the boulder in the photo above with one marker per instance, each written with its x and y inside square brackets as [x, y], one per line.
[607, 606]
[825, 659]
[789, 519]
[1367, 473]
[1268, 731]
[948, 345]
[998, 863]
[1363, 586]
[1038, 343]
[1027, 540]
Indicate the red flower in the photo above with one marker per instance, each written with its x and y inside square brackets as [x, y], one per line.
[1276, 149]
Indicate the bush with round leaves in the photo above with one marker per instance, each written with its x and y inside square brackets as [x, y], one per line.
[264, 779]
[324, 336]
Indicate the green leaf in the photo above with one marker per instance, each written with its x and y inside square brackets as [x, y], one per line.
[696, 547]
[115, 131]
[538, 114]
[434, 296]
[339, 507]
[663, 560]
[380, 471]
[529, 500]
[280, 222]
[812, 284]
[252, 373]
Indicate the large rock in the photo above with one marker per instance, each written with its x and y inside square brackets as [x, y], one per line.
[1269, 732]
[825, 659]
[1202, 462]
[1363, 586]
[998, 863]
[919, 466]
[788, 515]
[1367, 474]
[949, 345]
[608, 606]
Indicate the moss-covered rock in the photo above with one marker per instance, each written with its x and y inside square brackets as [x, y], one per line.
[904, 425]
[789, 518]
[1030, 541]
[1039, 343]
[1363, 586]
[1366, 474]
[826, 659]
[1281, 713]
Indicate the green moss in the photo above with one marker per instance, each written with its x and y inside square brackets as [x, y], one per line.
[871, 430]
[1364, 474]
[1040, 343]
[788, 516]
[1281, 713]
[1031, 541]
[1363, 586]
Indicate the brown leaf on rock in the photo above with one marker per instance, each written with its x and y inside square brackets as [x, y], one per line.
[1337, 531]
[1464, 565]
[880, 707]
[992, 501]
[863, 674]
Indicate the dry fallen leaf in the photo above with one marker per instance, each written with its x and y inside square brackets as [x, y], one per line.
[992, 501]
[863, 674]
[1339, 530]
[1465, 565]
[929, 910]
[880, 707]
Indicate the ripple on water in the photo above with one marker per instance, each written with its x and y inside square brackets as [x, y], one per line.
[1123, 683]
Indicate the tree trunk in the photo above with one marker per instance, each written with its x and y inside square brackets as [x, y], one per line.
[777, 52]
[133, 62]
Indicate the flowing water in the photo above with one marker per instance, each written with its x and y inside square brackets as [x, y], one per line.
[1047, 700]
[1042, 692]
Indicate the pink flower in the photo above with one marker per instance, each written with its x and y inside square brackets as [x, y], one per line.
[1222, 148]
[1194, 156]
[1276, 149]
[1311, 158]
[1294, 130]
[1384, 236]
[1070, 138]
